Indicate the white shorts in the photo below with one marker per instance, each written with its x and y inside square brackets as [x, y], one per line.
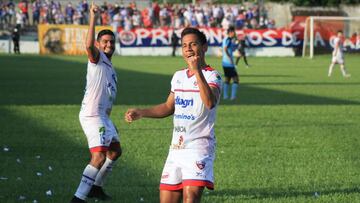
[338, 59]
[187, 167]
[100, 132]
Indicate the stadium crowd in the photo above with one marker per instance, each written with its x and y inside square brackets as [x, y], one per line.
[128, 17]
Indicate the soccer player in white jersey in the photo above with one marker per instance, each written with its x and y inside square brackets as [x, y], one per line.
[100, 92]
[338, 55]
[193, 100]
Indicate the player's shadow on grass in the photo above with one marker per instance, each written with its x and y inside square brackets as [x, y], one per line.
[25, 80]
[46, 136]
[271, 193]
[267, 76]
[251, 95]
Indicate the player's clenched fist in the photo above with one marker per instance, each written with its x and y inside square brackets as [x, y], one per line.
[132, 115]
[193, 62]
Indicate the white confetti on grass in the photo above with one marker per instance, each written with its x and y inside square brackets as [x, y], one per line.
[18, 160]
[3, 178]
[19, 178]
[6, 149]
[141, 199]
[38, 156]
[39, 174]
[22, 197]
[49, 193]
[50, 168]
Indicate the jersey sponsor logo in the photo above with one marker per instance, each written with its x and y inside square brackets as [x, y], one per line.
[180, 129]
[165, 176]
[184, 102]
[180, 144]
[127, 37]
[184, 116]
[200, 174]
[200, 164]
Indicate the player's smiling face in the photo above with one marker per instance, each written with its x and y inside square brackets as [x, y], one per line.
[191, 46]
[107, 44]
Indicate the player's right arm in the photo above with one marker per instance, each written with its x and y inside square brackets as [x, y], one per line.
[336, 47]
[159, 111]
[92, 51]
[226, 48]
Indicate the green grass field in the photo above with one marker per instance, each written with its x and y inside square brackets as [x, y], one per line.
[291, 136]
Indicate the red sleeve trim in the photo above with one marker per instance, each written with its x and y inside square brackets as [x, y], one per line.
[208, 68]
[99, 149]
[214, 85]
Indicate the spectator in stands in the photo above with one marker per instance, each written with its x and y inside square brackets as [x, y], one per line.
[69, 13]
[19, 19]
[24, 7]
[167, 15]
[136, 19]
[36, 12]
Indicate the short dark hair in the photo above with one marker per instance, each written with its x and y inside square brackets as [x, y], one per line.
[200, 35]
[231, 29]
[105, 32]
[340, 31]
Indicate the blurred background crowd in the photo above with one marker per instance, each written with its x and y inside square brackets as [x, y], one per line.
[167, 15]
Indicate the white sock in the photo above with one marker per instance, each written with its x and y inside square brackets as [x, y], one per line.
[104, 171]
[234, 87]
[343, 70]
[226, 89]
[87, 180]
[330, 69]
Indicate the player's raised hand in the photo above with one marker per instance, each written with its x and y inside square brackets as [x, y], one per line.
[193, 62]
[94, 9]
[132, 115]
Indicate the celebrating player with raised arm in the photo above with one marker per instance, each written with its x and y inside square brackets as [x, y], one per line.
[193, 100]
[100, 93]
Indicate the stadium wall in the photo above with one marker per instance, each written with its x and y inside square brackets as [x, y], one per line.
[29, 47]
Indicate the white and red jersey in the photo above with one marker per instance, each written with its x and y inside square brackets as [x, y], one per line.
[338, 53]
[100, 91]
[338, 42]
[193, 122]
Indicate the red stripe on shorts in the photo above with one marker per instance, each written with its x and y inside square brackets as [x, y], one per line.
[99, 149]
[201, 183]
[164, 186]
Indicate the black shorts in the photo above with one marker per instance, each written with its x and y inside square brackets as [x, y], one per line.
[242, 52]
[230, 72]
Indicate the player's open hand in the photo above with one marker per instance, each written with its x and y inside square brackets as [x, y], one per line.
[132, 115]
